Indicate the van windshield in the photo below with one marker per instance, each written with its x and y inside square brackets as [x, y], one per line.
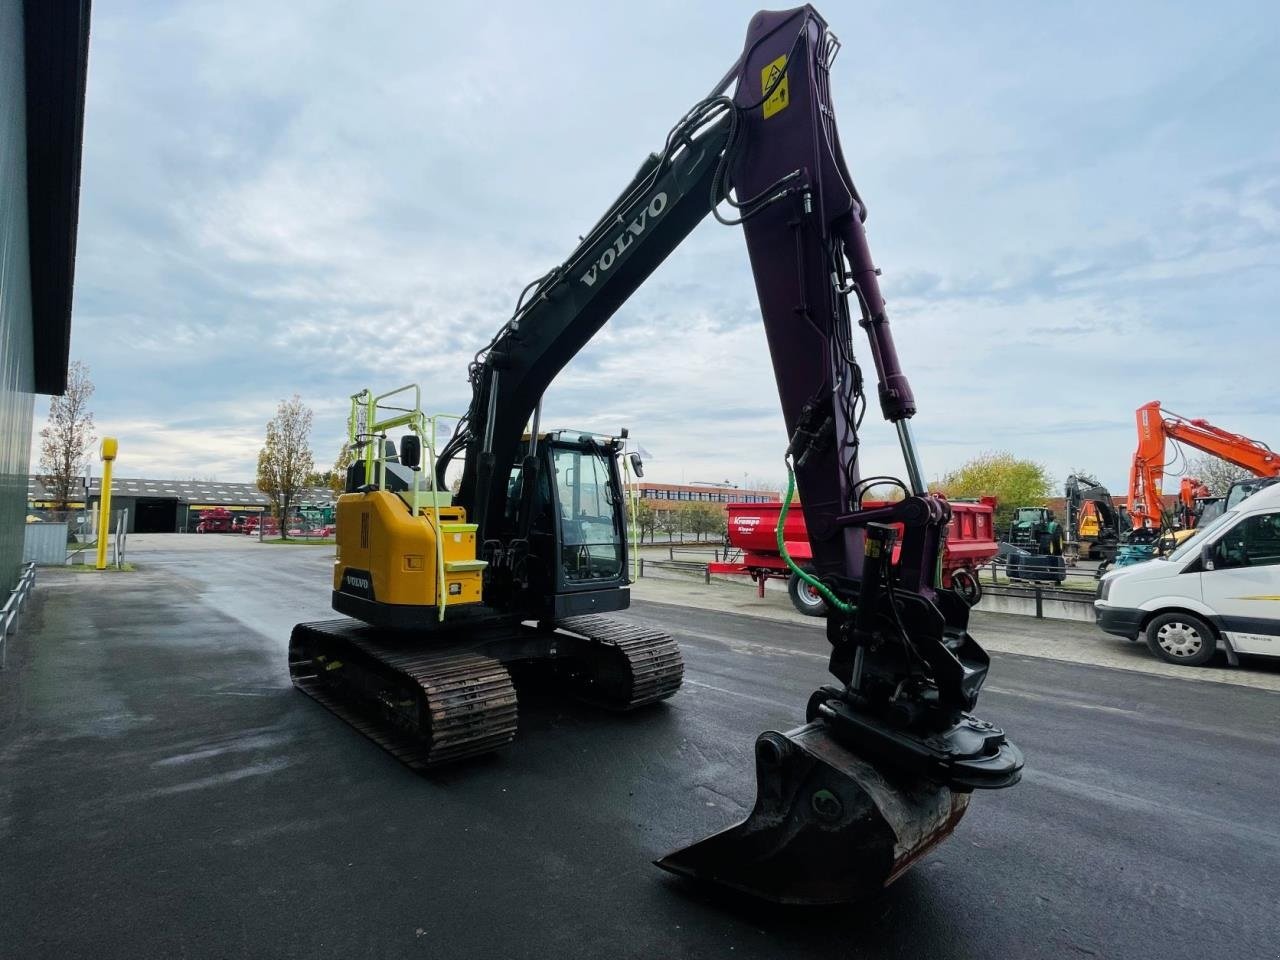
[1191, 545]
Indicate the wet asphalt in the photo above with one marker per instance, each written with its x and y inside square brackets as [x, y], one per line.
[164, 792]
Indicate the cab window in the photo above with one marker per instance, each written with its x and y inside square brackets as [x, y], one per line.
[1254, 542]
[590, 538]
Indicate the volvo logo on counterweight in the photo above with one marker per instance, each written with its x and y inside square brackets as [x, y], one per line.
[636, 227]
[358, 582]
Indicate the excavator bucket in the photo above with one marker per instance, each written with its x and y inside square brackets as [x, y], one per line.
[827, 826]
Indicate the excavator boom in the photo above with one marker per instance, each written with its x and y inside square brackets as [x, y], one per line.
[1156, 427]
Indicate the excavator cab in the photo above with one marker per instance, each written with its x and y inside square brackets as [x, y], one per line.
[562, 548]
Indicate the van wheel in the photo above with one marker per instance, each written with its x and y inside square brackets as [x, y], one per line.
[1181, 638]
[806, 599]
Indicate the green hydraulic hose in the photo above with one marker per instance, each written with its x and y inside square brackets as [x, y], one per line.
[823, 590]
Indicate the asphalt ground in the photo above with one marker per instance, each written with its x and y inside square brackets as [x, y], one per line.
[165, 792]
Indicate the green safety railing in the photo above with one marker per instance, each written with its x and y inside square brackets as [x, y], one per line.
[371, 427]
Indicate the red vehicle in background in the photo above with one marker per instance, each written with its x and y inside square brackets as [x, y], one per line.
[217, 520]
[971, 542]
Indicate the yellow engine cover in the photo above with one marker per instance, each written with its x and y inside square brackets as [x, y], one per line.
[387, 555]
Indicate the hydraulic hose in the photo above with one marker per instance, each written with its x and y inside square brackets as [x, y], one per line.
[823, 590]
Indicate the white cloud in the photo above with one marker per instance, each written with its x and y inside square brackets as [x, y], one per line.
[281, 200]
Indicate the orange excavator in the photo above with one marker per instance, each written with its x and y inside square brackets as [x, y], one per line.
[1155, 428]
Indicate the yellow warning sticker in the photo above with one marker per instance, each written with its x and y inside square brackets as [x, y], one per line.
[780, 97]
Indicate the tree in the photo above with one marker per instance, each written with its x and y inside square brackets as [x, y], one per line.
[646, 520]
[763, 485]
[338, 475]
[335, 478]
[670, 522]
[1013, 482]
[706, 518]
[285, 461]
[67, 438]
[1216, 474]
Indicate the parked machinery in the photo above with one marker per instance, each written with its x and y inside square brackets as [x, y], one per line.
[1033, 549]
[449, 594]
[1156, 427]
[752, 532]
[1093, 522]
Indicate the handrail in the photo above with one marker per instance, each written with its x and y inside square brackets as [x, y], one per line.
[442, 592]
[375, 456]
[13, 606]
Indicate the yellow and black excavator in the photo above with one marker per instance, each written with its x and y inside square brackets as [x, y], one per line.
[444, 596]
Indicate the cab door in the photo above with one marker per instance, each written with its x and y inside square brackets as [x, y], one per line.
[589, 506]
[1243, 586]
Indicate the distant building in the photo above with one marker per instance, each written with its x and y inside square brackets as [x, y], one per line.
[44, 50]
[169, 506]
[660, 495]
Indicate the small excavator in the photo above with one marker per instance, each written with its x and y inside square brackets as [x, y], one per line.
[1093, 522]
[444, 596]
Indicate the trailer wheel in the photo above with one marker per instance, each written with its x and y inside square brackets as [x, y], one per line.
[965, 584]
[806, 599]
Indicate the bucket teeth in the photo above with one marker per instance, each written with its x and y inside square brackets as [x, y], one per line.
[827, 826]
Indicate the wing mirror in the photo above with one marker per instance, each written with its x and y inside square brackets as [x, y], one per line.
[1206, 556]
[410, 451]
[637, 464]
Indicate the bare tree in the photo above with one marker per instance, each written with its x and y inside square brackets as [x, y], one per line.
[755, 484]
[65, 441]
[335, 478]
[1216, 474]
[338, 475]
[285, 461]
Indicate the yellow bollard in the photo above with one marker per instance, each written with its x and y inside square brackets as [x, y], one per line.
[104, 501]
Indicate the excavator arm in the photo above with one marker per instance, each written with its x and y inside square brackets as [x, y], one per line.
[1155, 428]
[883, 768]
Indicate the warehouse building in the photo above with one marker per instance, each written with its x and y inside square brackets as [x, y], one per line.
[661, 495]
[166, 506]
[44, 49]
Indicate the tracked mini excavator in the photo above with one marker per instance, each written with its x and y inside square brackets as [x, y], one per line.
[444, 596]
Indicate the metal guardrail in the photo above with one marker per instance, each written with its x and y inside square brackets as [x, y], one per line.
[684, 566]
[1031, 591]
[1039, 594]
[13, 607]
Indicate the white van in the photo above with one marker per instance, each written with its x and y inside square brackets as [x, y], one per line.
[1219, 589]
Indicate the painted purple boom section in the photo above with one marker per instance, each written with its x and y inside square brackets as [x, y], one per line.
[811, 261]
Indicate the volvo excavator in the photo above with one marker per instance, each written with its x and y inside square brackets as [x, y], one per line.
[443, 597]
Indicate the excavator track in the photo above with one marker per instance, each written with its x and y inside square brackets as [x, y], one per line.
[626, 665]
[425, 707]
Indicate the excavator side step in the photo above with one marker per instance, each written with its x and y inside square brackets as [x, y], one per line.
[425, 707]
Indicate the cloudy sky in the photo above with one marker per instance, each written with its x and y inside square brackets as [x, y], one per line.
[1076, 208]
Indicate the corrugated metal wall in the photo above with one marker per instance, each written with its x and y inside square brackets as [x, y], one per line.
[15, 298]
[46, 544]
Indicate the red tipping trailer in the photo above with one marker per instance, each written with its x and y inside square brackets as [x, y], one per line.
[971, 542]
